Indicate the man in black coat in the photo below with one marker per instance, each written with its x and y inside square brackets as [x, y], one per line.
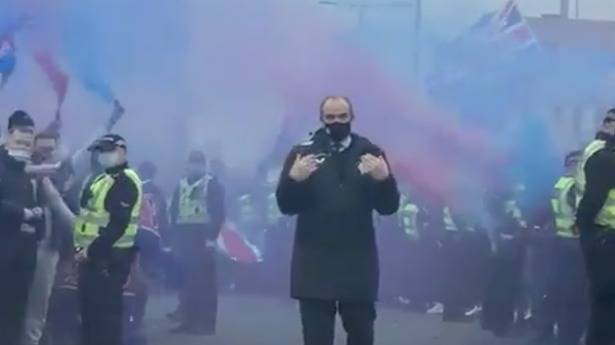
[334, 183]
[20, 218]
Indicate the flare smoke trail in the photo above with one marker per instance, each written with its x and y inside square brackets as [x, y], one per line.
[224, 76]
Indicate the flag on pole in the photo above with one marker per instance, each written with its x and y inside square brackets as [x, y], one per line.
[505, 27]
[496, 39]
[7, 58]
[57, 77]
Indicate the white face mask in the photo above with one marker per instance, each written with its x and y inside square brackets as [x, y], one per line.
[21, 155]
[108, 159]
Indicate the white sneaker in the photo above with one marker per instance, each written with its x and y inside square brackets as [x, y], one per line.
[474, 311]
[437, 308]
[403, 300]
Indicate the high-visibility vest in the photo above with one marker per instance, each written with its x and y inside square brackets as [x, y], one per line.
[563, 212]
[589, 151]
[93, 216]
[407, 216]
[449, 223]
[273, 211]
[192, 206]
[606, 216]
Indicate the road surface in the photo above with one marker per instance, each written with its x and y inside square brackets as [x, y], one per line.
[252, 320]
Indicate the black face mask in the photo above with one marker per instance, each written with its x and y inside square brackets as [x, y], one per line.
[338, 131]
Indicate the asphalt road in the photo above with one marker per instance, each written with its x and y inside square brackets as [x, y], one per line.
[251, 320]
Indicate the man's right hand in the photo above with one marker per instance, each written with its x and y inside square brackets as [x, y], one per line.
[303, 168]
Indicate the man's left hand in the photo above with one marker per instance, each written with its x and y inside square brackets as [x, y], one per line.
[376, 167]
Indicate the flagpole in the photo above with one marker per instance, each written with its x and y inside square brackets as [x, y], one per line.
[418, 18]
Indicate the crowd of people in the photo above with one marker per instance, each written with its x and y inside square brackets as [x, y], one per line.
[86, 238]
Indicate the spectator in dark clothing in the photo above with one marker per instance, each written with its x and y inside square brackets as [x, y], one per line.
[21, 218]
[504, 280]
[56, 237]
[197, 215]
[153, 224]
[596, 224]
[334, 183]
[154, 216]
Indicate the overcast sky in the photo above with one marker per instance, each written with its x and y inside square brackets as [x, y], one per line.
[592, 9]
[449, 16]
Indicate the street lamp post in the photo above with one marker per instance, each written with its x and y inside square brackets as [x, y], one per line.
[362, 6]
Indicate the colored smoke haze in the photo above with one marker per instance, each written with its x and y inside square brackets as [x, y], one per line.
[228, 76]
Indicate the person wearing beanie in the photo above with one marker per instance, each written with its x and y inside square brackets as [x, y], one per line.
[197, 215]
[21, 219]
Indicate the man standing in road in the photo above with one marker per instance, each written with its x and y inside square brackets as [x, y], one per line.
[334, 183]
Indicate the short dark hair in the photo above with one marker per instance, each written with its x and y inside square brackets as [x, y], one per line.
[329, 98]
[47, 135]
[611, 111]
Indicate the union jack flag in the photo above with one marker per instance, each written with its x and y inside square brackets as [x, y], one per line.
[507, 26]
[497, 39]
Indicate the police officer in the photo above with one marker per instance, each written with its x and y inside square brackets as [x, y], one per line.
[456, 251]
[334, 183]
[278, 237]
[596, 224]
[414, 280]
[104, 235]
[505, 277]
[594, 146]
[197, 215]
[21, 219]
[564, 305]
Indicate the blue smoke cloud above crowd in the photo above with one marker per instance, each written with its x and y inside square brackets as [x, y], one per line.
[228, 76]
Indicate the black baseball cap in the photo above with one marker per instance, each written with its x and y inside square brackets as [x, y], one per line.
[20, 119]
[108, 142]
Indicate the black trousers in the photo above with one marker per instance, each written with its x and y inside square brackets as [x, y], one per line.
[503, 286]
[464, 254]
[63, 317]
[318, 320]
[566, 301]
[419, 284]
[101, 287]
[599, 253]
[199, 289]
[150, 269]
[17, 265]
